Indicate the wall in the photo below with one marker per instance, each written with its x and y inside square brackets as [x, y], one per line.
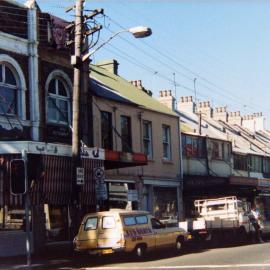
[156, 168]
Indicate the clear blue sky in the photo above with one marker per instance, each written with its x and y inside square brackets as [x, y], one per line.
[224, 44]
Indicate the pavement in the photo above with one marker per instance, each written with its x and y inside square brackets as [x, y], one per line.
[249, 256]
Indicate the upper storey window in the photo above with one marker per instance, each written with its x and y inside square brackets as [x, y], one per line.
[8, 90]
[58, 110]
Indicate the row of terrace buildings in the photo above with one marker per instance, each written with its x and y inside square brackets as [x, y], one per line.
[130, 140]
[152, 154]
[223, 153]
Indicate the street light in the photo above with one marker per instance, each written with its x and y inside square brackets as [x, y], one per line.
[137, 32]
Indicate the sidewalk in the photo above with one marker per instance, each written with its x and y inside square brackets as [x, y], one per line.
[56, 256]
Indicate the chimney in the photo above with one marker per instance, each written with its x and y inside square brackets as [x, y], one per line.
[235, 118]
[109, 65]
[254, 122]
[186, 104]
[220, 113]
[166, 98]
[138, 84]
[205, 109]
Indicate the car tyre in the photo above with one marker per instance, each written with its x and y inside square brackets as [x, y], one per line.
[179, 245]
[140, 251]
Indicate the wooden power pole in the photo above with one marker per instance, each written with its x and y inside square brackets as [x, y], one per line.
[76, 97]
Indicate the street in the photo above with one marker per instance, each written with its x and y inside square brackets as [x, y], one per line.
[251, 256]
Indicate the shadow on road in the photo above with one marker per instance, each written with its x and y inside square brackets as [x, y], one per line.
[66, 259]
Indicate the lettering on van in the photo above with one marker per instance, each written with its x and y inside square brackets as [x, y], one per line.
[135, 232]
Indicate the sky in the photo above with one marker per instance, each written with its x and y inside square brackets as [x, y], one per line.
[224, 46]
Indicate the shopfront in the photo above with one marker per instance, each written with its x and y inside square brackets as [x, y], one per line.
[51, 191]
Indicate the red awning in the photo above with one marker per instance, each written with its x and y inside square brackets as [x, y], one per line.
[116, 159]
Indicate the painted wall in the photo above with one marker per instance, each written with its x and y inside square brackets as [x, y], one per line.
[157, 167]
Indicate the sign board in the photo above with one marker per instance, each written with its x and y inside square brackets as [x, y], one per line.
[264, 183]
[133, 195]
[101, 187]
[80, 176]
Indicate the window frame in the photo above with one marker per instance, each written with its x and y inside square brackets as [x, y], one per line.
[90, 229]
[127, 142]
[15, 68]
[65, 80]
[148, 140]
[167, 142]
[110, 128]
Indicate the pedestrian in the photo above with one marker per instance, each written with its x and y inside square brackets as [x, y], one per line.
[254, 219]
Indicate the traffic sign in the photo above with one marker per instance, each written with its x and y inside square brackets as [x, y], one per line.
[80, 176]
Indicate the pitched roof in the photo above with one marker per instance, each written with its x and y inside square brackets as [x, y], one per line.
[128, 91]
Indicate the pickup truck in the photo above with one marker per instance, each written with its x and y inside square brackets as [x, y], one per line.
[226, 217]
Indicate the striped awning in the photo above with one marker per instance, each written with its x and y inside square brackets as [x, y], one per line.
[50, 180]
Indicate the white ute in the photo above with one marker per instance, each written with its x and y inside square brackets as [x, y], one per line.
[220, 219]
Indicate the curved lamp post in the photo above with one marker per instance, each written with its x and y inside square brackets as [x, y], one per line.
[137, 32]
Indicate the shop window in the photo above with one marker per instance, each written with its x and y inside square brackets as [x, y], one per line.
[240, 162]
[106, 130]
[266, 165]
[12, 218]
[58, 102]
[255, 163]
[56, 222]
[193, 146]
[147, 139]
[165, 204]
[166, 141]
[126, 134]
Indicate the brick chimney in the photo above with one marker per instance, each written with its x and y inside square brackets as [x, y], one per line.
[110, 65]
[254, 122]
[166, 98]
[186, 104]
[235, 118]
[220, 113]
[205, 109]
[138, 84]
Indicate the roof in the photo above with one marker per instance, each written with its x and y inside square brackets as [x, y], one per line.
[128, 91]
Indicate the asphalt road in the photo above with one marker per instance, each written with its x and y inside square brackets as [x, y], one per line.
[251, 256]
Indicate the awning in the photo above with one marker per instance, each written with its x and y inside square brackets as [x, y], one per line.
[116, 159]
[50, 180]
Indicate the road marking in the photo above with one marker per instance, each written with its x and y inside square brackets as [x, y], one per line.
[181, 266]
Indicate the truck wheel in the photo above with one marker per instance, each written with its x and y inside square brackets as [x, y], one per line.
[140, 251]
[242, 235]
[179, 245]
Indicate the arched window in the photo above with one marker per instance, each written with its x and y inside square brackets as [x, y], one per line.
[58, 100]
[9, 89]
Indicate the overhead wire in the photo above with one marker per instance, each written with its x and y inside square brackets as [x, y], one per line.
[217, 88]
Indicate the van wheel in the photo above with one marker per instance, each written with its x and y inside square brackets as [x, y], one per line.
[179, 244]
[140, 251]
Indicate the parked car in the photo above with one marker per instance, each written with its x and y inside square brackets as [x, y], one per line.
[126, 231]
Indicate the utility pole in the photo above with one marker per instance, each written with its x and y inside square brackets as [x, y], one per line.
[196, 111]
[77, 64]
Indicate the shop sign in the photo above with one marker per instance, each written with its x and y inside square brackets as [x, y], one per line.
[243, 181]
[263, 182]
[101, 187]
[58, 133]
[133, 195]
